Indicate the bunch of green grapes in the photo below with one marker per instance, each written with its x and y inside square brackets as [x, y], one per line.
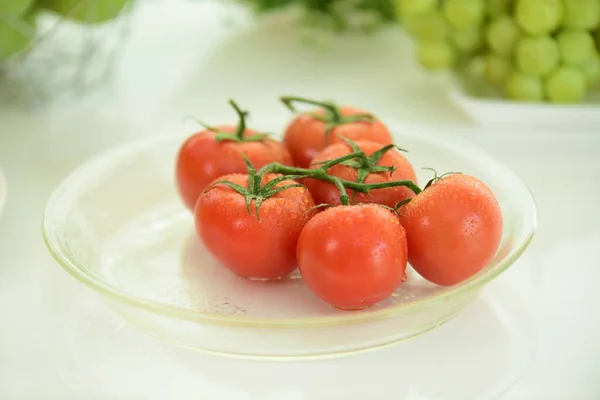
[531, 50]
[17, 18]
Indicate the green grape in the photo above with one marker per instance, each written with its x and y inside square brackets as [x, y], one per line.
[537, 55]
[575, 46]
[436, 55]
[591, 70]
[583, 14]
[539, 17]
[14, 8]
[524, 87]
[462, 13]
[566, 85]
[406, 8]
[497, 68]
[495, 8]
[471, 75]
[502, 34]
[15, 36]
[475, 66]
[430, 26]
[88, 11]
[467, 40]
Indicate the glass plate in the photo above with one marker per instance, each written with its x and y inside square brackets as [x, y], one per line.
[118, 225]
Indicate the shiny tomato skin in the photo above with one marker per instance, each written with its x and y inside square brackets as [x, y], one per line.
[328, 193]
[305, 135]
[353, 256]
[453, 229]
[264, 249]
[202, 159]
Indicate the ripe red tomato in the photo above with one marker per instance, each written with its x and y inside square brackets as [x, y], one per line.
[353, 256]
[453, 229]
[253, 248]
[203, 158]
[306, 135]
[328, 193]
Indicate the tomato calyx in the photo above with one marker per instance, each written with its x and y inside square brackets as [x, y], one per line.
[436, 177]
[333, 114]
[256, 191]
[366, 165]
[237, 136]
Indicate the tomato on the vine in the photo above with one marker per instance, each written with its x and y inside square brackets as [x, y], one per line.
[217, 151]
[378, 165]
[251, 224]
[353, 256]
[311, 132]
[453, 229]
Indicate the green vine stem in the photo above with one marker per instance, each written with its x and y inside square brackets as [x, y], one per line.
[436, 177]
[241, 128]
[321, 174]
[342, 184]
[327, 106]
[333, 114]
[238, 135]
[258, 192]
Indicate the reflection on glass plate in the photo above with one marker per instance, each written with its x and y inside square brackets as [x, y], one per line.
[478, 355]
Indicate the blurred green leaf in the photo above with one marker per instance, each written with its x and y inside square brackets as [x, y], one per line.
[338, 15]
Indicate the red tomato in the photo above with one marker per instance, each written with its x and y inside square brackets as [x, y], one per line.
[353, 256]
[253, 248]
[453, 228]
[328, 193]
[202, 159]
[305, 136]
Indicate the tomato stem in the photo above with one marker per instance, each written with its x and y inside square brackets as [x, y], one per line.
[343, 194]
[357, 159]
[241, 128]
[401, 203]
[328, 164]
[322, 175]
[330, 107]
[436, 177]
[364, 164]
[333, 114]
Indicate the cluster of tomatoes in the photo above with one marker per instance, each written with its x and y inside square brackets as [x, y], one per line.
[335, 199]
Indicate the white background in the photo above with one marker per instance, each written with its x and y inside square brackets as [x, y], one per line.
[534, 334]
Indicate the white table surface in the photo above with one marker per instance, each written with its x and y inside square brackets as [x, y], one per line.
[534, 333]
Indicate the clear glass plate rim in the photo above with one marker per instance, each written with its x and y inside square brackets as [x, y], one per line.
[53, 214]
